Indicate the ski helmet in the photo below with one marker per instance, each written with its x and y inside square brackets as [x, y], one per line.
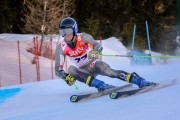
[67, 26]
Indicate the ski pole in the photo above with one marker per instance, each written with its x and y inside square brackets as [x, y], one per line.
[139, 56]
[111, 55]
[161, 56]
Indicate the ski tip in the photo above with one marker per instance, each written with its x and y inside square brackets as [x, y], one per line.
[113, 95]
[74, 98]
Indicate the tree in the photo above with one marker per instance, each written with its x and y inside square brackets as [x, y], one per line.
[43, 16]
[7, 15]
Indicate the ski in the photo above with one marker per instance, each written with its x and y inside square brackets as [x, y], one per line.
[122, 94]
[77, 98]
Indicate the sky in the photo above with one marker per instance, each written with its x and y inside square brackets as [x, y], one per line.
[49, 99]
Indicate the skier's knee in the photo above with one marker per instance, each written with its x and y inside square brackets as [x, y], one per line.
[79, 75]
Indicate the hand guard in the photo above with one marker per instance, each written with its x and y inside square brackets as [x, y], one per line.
[70, 80]
[93, 54]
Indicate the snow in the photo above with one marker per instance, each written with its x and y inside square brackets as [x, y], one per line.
[49, 100]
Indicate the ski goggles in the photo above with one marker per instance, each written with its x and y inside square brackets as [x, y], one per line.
[65, 31]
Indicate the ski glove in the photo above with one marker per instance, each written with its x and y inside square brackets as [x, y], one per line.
[70, 80]
[93, 54]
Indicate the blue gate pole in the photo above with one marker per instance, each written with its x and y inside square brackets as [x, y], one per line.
[134, 32]
[147, 32]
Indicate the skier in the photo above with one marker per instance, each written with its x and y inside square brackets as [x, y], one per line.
[77, 59]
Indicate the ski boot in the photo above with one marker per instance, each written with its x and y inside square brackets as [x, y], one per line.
[136, 79]
[100, 85]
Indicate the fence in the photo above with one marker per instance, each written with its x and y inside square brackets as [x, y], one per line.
[21, 63]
